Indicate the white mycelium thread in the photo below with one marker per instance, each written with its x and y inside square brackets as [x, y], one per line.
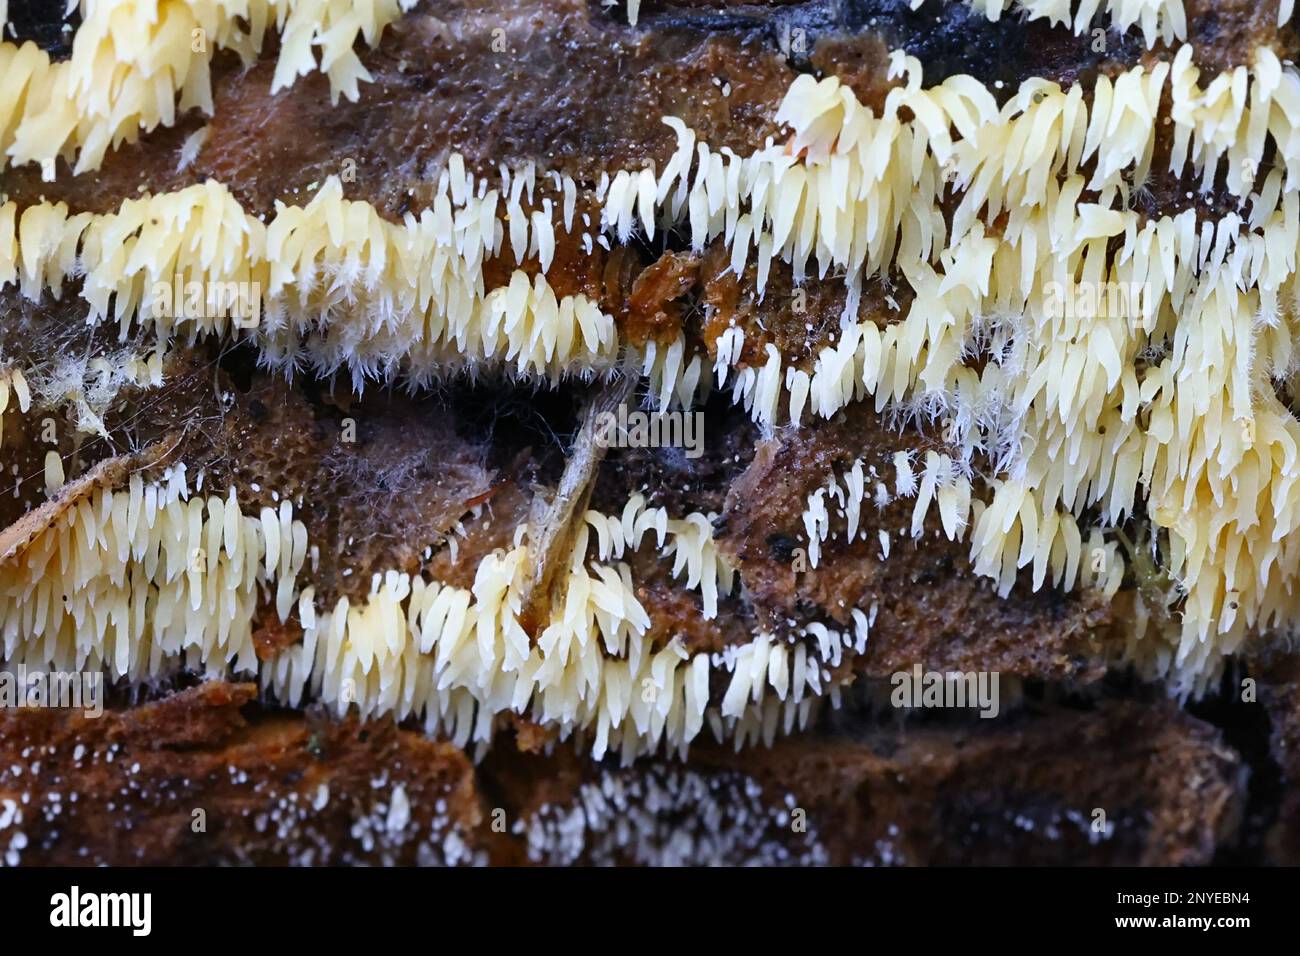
[942, 481]
[88, 385]
[139, 581]
[131, 58]
[12, 382]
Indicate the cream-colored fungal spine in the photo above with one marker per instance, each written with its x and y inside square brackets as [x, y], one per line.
[333, 285]
[776, 682]
[136, 64]
[458, 658]
[142, 580]
[942, 481]
[1016, 531]
[674, 376]
[149, 578]
[353, 290]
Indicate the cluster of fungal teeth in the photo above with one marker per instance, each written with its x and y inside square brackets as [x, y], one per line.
[1158, 20]
[1159, 409]
[136, 64]
[458, 658]
[1007, 534]
[331, 283]
[141, 581]
[150, 579]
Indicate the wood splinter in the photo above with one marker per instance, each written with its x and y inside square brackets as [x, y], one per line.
[551, 526]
